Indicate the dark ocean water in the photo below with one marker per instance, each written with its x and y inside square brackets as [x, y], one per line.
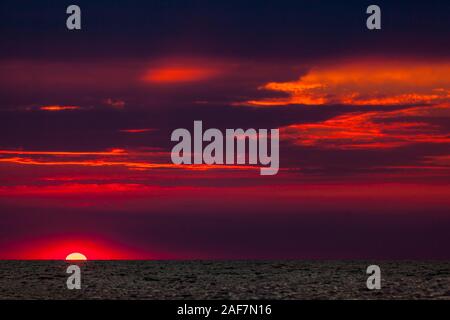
[224, 280]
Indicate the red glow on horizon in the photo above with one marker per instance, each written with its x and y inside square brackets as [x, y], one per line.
[57, 249]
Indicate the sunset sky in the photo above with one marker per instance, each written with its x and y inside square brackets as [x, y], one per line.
[86, 118]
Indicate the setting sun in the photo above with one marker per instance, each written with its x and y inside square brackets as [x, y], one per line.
[76, 256]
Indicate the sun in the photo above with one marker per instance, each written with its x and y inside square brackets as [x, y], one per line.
[76, 256]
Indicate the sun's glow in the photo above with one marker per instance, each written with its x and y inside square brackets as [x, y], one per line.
[76, 256]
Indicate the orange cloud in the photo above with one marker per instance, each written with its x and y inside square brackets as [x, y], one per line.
[371, 130]
[365, 83]
[58, 108]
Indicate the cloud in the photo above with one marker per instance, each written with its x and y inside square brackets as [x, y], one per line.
[182, 70]
[180, 74]
[137, 130]
[115, 103]
[372, 130]
[58, 108]
[365, 82]
[112, 152]
[129, 159]
[440, 160]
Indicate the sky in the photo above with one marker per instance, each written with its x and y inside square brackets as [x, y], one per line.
[86, 119]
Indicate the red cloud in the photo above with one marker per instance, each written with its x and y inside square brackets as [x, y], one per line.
[137, 130]
[174, 71]
[132, 159]
[371, 130]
